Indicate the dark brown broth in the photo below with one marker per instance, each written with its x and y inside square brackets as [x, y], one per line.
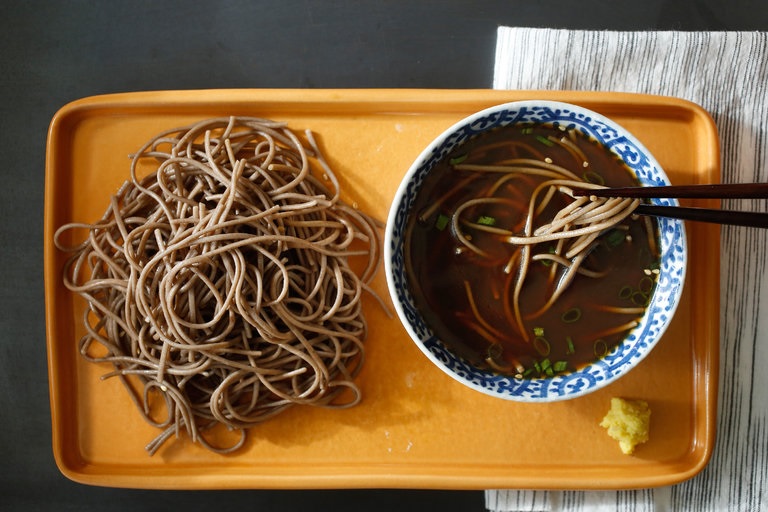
[440, 275]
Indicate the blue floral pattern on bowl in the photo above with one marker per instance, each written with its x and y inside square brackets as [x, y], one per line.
[640, 340]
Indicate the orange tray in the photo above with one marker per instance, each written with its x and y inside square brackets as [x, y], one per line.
[416, 427]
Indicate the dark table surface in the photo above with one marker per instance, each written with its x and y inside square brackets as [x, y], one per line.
[54, 52]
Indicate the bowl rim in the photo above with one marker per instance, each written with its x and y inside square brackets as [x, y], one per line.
[389, 252]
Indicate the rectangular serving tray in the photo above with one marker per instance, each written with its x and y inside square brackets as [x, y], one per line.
[416, 427]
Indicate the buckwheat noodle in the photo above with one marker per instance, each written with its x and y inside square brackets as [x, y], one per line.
[575, 227]
[223, 287]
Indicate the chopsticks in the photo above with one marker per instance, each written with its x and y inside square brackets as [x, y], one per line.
[714, 191]
[727, 217]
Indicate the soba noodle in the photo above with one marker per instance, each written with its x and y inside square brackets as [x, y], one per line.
[222, 284]
[578, 225]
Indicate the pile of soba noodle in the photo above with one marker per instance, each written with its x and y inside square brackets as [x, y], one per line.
[221, 280]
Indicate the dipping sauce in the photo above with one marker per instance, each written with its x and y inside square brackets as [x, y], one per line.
[506, 297]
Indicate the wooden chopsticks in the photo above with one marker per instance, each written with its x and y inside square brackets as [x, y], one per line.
[715, 191]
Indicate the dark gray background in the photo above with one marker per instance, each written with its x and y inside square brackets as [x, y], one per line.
[56, 52]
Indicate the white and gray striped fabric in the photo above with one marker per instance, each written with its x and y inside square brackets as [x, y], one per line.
[727, 74]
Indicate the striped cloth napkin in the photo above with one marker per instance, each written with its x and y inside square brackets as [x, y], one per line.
[727, 74]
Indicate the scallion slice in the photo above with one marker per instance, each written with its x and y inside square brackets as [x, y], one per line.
[593, 177]
[486, 220]
[442, 221]
[615, 237]
[545, 141]
[541, 345]
[625, 292]
[571, 347]
[572, 315]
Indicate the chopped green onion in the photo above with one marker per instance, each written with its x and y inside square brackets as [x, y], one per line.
[526, 131]
[646, 285]
[541, 345]
[486, 220]
[572, 315]
[550, 250]
[600, 348]
[615, 237]
[571, 348]
[494, 350]
[457, 160]
[640, 299]
[545, 141]
[625, 292]
[593, 177]
[538, 331]
[545, 367]
[442, 221]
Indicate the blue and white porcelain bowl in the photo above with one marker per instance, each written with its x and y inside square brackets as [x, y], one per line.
[639, 342]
